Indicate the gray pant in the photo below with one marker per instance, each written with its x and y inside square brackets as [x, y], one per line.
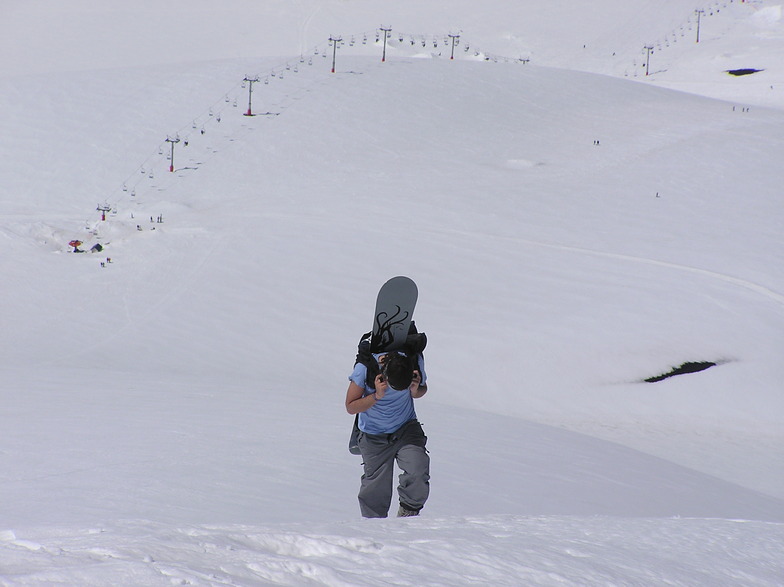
[379, 453]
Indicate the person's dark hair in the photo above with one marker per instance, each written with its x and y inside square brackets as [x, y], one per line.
[398, 371]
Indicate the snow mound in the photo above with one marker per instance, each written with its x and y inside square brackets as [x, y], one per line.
[495, 550]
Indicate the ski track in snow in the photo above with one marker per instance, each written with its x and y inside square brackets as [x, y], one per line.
[749, 285]
[755, 287]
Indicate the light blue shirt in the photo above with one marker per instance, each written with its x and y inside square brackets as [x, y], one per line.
[391, 411]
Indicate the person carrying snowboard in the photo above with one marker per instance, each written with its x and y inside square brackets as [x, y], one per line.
[389, 431]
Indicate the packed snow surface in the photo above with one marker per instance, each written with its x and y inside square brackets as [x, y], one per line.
[584, 196]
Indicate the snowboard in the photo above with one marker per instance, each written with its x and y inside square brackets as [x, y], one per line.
[395, 305]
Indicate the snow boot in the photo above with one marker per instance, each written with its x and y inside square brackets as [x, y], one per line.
[405, 512]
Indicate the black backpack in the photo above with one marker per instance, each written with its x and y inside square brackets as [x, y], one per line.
[414, 346]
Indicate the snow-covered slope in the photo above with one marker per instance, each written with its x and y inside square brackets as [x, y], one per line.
[173, 404]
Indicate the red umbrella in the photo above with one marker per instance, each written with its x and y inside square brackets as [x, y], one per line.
[74, 243]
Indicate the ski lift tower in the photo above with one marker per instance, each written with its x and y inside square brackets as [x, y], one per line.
[455, 38]
[250, 81]
[173, 141]
[334, 41]
[385, 33]
[648, 50]
[103, 210]
[699, 14]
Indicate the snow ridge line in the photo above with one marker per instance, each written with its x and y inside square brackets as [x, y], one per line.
[413, 42]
